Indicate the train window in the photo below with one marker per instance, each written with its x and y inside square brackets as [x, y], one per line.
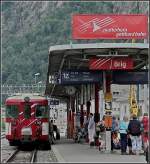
[41, 111]
[27, 111]
[12, 111]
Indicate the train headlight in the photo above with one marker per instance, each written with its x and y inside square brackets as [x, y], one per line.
[26, 131]
[45, 128]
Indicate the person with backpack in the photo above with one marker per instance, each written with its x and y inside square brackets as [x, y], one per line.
[134, 129]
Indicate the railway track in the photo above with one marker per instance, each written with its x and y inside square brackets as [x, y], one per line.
[22, 156]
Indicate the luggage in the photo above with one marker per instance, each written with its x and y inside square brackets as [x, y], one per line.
[102, 128]
[91, 143]
[146, 155]
[57, 136]
[116, 141]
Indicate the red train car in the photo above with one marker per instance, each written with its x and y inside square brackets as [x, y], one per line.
[27, 119]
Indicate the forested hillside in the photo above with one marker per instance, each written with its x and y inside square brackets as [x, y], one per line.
[29, 28]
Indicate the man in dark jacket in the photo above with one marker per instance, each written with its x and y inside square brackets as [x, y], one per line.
[134, 129]
[51, 131]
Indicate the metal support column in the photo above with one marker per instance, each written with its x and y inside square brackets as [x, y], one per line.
[81, 112]
[68, 119]
[72, 115]
[96, 117]
[108, 109]
[88, 103]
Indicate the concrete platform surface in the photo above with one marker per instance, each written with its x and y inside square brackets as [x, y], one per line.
[66, 150]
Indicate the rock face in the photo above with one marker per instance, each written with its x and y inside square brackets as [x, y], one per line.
[29, 28]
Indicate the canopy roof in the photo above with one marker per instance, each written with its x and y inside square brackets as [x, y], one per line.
[76, 56]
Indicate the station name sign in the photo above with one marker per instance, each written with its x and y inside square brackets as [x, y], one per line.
[111, 63]
[130, 77]
[81, 77]
[109, 26]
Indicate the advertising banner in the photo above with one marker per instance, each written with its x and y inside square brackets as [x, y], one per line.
[111, 63]
[109, 26]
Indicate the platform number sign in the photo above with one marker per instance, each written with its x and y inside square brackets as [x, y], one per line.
[66, 75]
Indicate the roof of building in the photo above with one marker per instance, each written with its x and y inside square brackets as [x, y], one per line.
[77, 56]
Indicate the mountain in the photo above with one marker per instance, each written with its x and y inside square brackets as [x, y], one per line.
[29, 28]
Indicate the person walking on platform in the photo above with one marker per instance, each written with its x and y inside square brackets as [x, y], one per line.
[85, 125]
[91, 129]
[145, 125]
[97, 132]
[102, 134]
[129, 143]
[114, 130]
[145, 136]
[134, 129]
[51, 131]
[123, 134]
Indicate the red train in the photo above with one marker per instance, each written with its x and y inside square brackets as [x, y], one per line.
[27, 120]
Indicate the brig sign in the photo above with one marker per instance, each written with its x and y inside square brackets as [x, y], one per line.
[129, 26]
[111, 63]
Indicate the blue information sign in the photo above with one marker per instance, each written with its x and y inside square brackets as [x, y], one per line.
[130, 77]
[81, 77]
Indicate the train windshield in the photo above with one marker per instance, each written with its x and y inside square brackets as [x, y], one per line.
[41, 111]
[12, 111]
[27, 111]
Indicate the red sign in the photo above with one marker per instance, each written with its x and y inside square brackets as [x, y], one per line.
[132, 26]
[111, 63]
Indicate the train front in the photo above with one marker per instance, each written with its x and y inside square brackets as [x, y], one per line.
[27, 120]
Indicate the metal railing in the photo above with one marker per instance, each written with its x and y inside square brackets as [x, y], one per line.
[24, 88]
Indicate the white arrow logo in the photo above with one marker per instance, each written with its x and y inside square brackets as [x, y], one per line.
[96, 24]
[95, 27]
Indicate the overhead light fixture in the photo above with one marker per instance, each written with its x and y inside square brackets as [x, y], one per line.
[112, 55]
[80, 59]
[37, 74]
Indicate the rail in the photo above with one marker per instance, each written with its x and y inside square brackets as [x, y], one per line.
[11, 157]
[33, 157]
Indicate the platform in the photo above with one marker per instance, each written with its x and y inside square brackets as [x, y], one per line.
[66, 150]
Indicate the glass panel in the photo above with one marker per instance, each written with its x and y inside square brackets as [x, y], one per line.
[27, 111]
[12, 111]
[41, 111]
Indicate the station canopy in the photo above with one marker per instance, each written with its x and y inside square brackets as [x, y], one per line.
[77, 56]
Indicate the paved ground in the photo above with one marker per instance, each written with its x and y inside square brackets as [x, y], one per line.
[68, 151]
